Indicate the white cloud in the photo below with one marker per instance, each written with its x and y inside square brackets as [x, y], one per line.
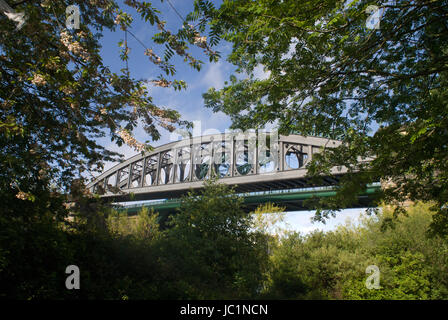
[260, 73]
[301, 221]
[213, 76]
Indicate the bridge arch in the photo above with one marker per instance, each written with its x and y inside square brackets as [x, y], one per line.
[252, 162]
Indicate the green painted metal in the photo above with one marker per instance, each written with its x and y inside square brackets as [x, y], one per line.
[294, 196]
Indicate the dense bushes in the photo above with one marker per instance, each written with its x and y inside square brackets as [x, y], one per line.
[333, 265]
[208, 251]
[212, 249]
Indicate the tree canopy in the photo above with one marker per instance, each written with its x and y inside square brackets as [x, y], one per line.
[382, 91]
[58, 97]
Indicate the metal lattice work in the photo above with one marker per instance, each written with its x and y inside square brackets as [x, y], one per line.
[252, 162]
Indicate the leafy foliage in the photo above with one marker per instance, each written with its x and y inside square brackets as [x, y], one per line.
[208, 252]
[267, 219]
[212, 251]
[211, 246]
[381, 91]
[58, 98]
[333, 265]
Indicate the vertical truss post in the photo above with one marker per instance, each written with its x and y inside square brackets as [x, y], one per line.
[159, 157]
[142, 181]
[281, 154]
[176, 163]
[173, 166]
[130, 176]
[210, 157]
[257, 144]
[232, 156]
[190, 174]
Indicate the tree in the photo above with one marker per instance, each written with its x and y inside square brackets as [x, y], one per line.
[144, 226]
[210, 251]
[268, 218]
[411, 265]
[332, 265]
[382, 91]
[147, 226]
[58, 97]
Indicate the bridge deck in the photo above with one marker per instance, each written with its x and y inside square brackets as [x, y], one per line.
[292, 199]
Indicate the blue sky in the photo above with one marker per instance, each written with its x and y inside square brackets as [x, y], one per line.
[188, 102]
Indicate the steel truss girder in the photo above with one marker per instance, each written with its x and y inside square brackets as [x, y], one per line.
[249, 161]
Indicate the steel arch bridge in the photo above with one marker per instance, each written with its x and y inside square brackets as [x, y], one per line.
[252, 162]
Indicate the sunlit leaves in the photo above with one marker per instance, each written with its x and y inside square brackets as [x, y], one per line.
[57, 95]
[328, 74]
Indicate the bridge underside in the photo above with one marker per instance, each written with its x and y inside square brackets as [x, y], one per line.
[178, 190]
[291, 200]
